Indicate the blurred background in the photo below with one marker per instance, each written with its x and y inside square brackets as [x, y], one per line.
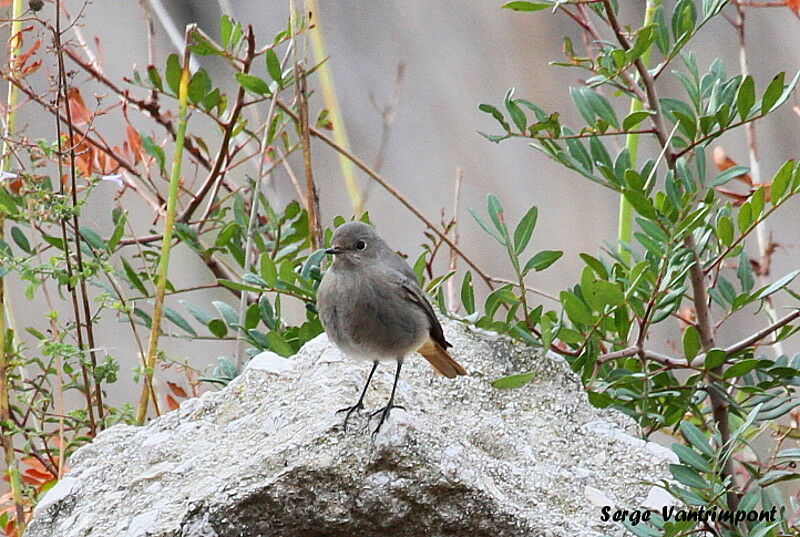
[453, 55]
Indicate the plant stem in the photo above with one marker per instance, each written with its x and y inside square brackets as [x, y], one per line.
[625, 229]
[719, 407]
[332, 104]
[87, 316]
[5, 357]
[301, 98]
[762, 235]
[252, 221]
[166, 243]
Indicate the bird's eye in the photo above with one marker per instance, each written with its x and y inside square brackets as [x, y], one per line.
[360, 245]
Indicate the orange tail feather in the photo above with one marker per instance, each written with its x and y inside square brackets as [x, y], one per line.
[440, 360]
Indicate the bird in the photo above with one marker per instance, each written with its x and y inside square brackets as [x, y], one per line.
[372, 308]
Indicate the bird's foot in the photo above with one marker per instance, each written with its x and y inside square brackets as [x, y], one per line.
[384, 412]
[350, 410]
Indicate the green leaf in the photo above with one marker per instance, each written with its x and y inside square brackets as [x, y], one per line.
[173, 73]
[227, 312]
[267, 312]
[512, 382]
[724, 230]
[576, 310]
[585, 109]
[238, 286]
[515, 112]
[252, 83]
[601, 294]
[596, 265]
[199, 85]
[772, 93]
[542, 260]
[155, 151]
[696, 438]
[133, 278]
[745, 273]
[776, 476]
[730, 173]
[634, 118]
[715, 358]
[201, 316]
[689, 457]
[178, 320]
[93, 239]
[740, 368]
[489, 109]
[278, 344]
[217, 328]
[274, 66]
[687, 476]
[495, 209]
[225, 27]
[600, 106]
[20, 239]
[746, 97]
[777, 286]
[526, 6]
[781, 181]
[467, 293]
[691, 342]
[155, 78]
[268, 270]
[522, 235]
[640, 203]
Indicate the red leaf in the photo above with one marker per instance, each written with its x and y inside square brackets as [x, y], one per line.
[172, 404]
[177, 390]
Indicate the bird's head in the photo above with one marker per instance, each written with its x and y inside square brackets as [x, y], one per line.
[354, 243]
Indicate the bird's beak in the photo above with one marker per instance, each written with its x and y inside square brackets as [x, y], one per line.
[334, 251]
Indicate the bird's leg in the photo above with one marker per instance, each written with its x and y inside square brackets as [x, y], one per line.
[384, 412]
[360, 404]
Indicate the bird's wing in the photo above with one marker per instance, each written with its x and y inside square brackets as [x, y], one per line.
[408, 283]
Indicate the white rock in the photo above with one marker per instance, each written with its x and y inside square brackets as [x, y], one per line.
[266, 456]
[270, 362]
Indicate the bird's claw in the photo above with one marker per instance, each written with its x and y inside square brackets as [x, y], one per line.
[384, 412]
[350, 410]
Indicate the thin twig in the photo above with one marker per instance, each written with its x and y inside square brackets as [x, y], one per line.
[762, 234]
[451, 265]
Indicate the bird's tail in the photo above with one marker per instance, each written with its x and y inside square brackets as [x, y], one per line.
[440, 360]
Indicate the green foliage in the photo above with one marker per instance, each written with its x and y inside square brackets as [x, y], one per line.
[685, 227]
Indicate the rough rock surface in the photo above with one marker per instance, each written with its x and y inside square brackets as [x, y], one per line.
[267, 456]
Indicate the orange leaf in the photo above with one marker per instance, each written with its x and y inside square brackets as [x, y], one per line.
[794, 5]
[736, 198]
[77, 109]
[22, 70]
[177, 390]
[172, 404]
[4, 3]
[34, 463]
[32, 68]
[135, 143]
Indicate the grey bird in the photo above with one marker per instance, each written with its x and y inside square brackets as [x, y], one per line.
[372, 308]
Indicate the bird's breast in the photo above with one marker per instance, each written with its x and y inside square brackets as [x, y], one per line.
[366, 316]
